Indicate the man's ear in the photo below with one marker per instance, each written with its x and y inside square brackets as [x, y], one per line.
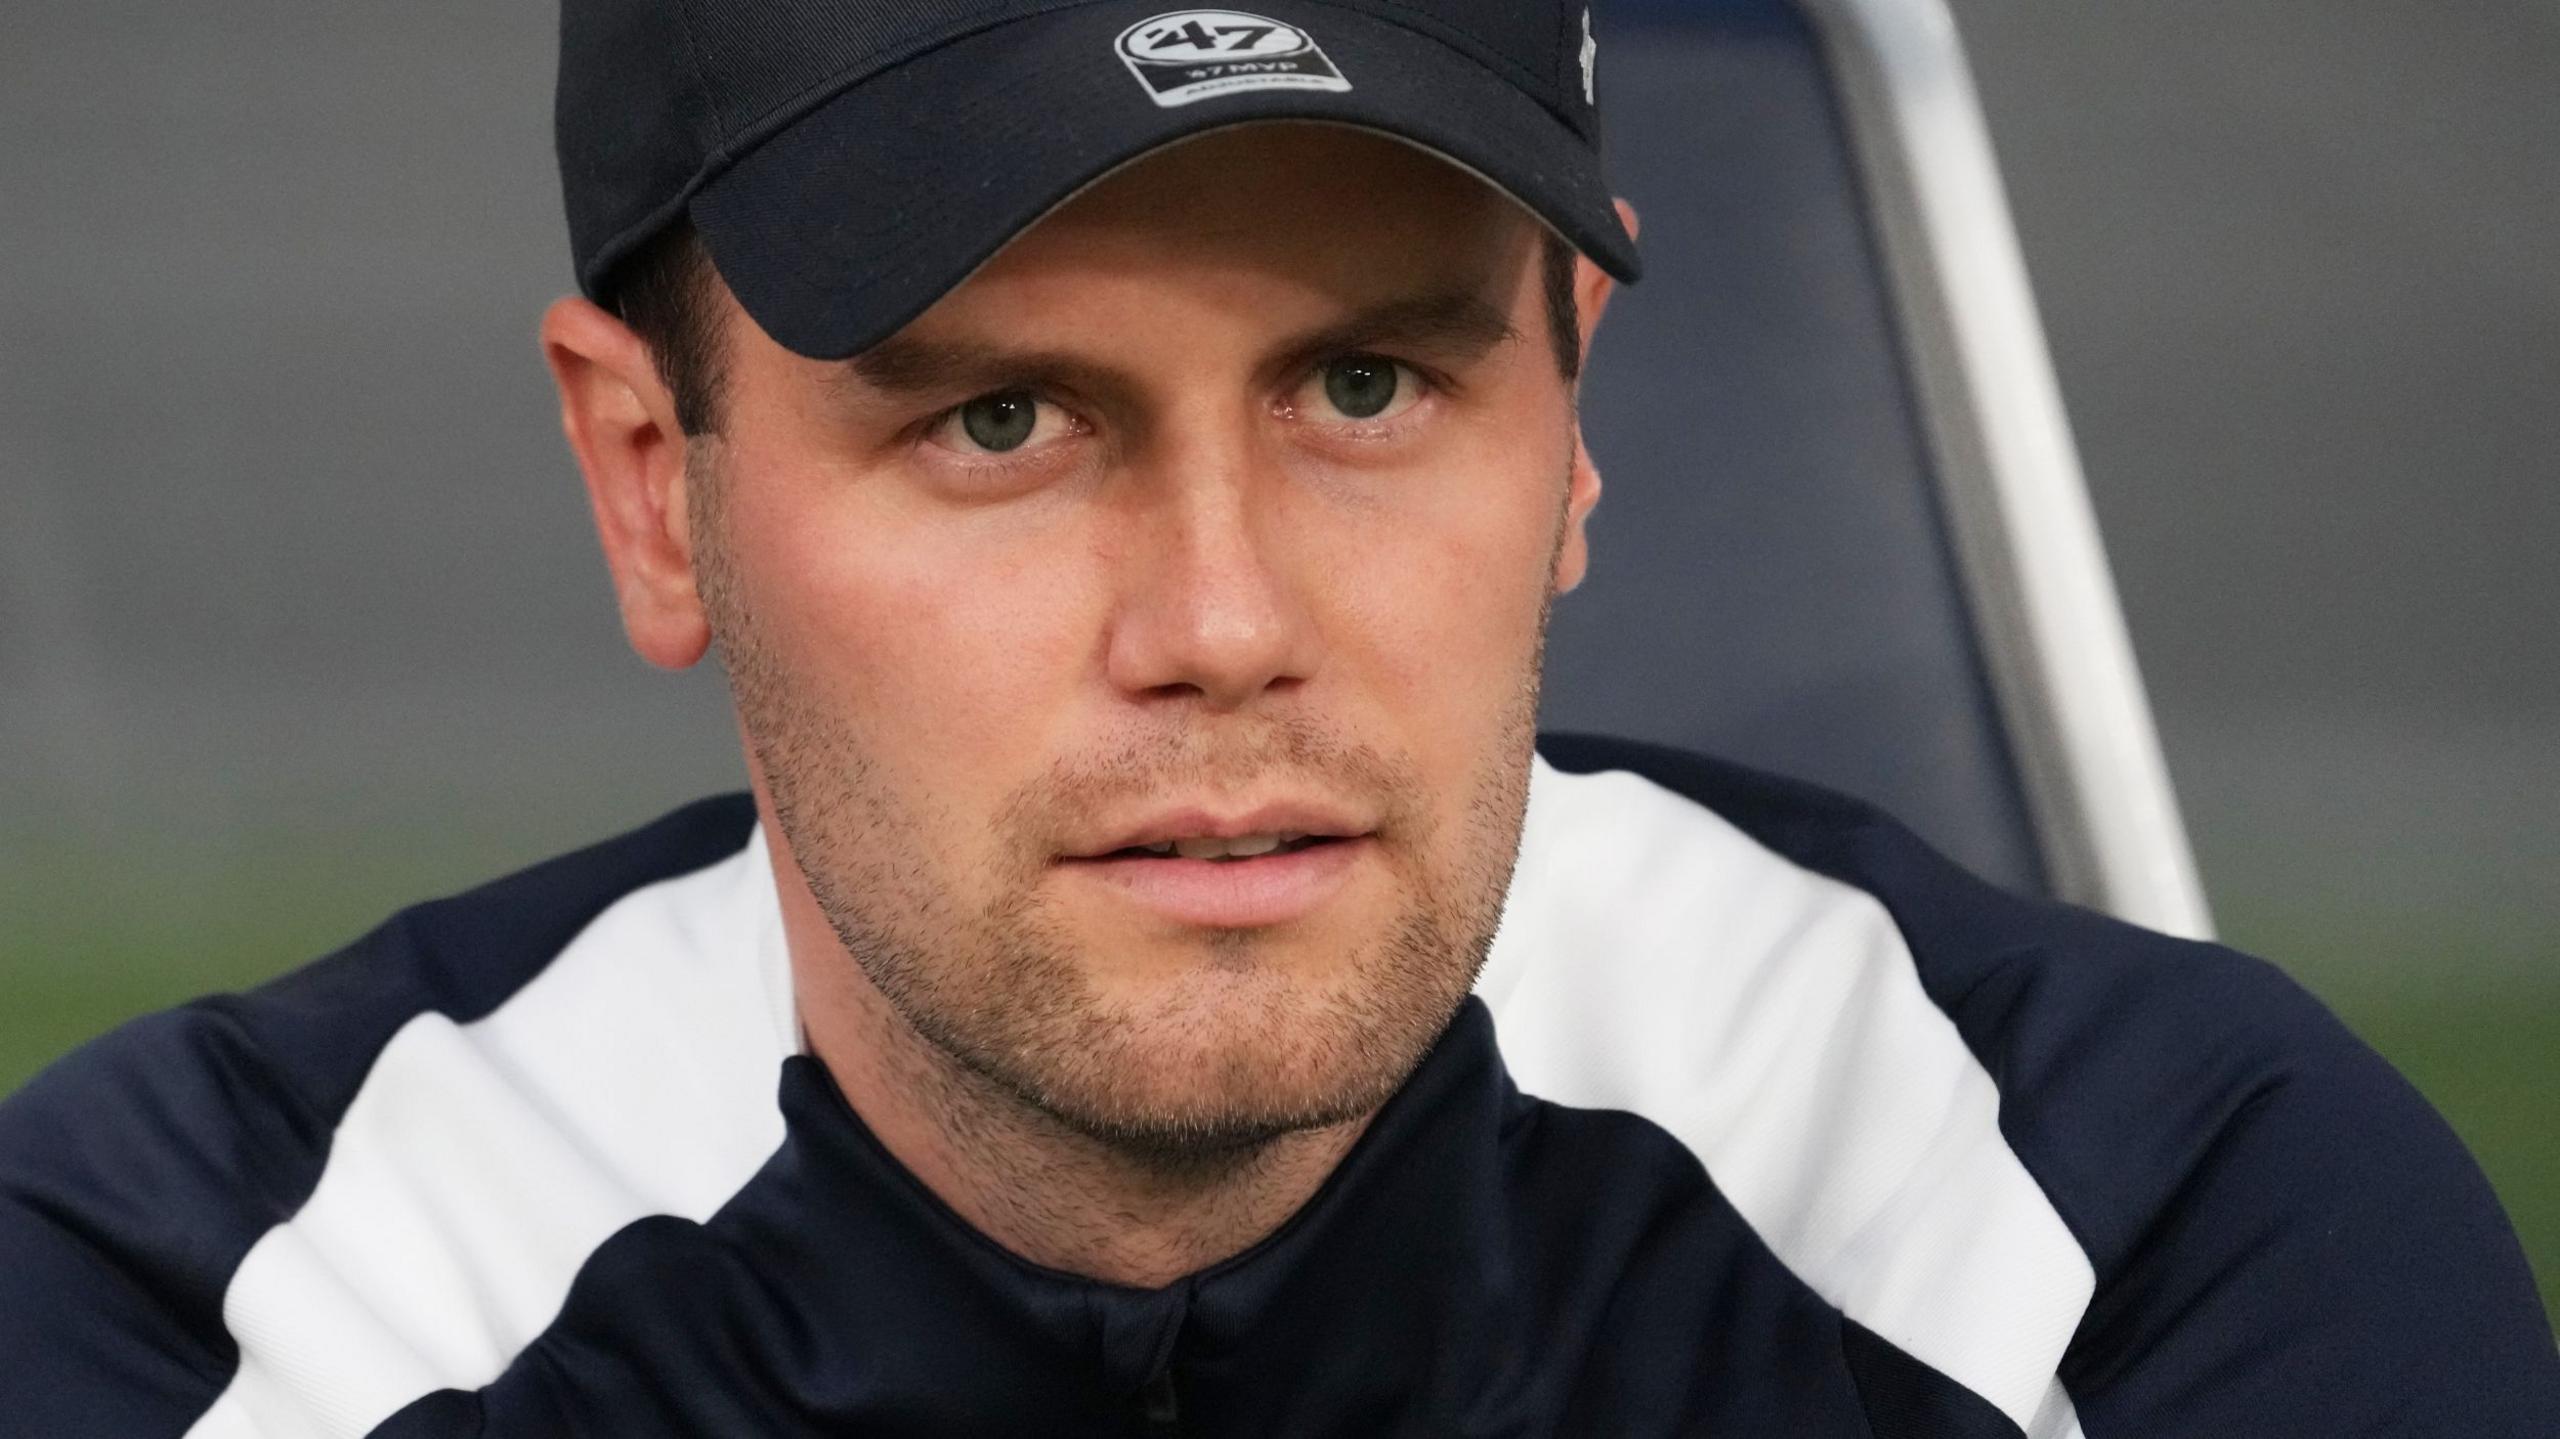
[1591, 290]
[621, 423]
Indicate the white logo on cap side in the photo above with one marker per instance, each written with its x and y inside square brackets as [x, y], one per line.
[1183, 56]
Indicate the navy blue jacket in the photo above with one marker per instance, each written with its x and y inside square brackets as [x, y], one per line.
[1764, 1120]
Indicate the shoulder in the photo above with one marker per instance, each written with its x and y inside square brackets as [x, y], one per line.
[2117, 1052]
[2040, 1149]
[137, 1172]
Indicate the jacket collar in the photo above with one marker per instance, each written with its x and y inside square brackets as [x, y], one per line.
[1389, 1278]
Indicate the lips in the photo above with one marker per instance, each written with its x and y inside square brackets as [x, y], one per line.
[1223, 851]
[1200, 833]
[1276, 887]
[1241, 867]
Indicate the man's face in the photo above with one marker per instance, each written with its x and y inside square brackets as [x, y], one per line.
[1231, 495]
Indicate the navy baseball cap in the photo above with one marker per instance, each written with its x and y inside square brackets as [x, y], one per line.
[848, 162]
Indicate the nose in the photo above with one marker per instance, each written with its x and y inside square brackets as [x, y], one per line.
[1211, 600]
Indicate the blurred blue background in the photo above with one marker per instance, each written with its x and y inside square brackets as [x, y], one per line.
[300, 618]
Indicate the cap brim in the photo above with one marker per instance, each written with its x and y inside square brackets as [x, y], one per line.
[854, 219]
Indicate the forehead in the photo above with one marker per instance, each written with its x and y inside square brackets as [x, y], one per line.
[1346, 211]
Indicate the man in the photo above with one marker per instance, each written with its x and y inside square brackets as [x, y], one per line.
[1155, 986]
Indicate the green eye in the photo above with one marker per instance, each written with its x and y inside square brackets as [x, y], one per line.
[1002, 421]
[1361, 386]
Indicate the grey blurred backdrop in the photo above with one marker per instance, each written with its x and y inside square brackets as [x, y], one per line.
[300, 617]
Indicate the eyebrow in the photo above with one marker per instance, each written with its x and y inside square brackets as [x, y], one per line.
[910, 365]
[1458, 325]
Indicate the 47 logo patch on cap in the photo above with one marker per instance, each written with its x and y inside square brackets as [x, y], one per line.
[1188, 55]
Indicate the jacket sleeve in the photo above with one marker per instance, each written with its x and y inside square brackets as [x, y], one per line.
[2332, 1264]
[132, 1173]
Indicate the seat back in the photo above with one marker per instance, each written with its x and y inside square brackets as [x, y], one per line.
[1793, 563]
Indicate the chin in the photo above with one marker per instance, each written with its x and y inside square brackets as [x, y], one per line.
[1225, 1055]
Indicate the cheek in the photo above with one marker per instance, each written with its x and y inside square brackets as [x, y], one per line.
[947, 645]
[1439, 593]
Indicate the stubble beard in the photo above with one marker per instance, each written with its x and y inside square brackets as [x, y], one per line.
[1215, 1062]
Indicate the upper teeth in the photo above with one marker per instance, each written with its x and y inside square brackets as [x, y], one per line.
[1243, 846]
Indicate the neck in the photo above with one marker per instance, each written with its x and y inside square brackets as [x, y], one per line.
[1049, 1193]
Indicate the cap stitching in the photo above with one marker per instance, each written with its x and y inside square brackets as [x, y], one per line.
[701, 81]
